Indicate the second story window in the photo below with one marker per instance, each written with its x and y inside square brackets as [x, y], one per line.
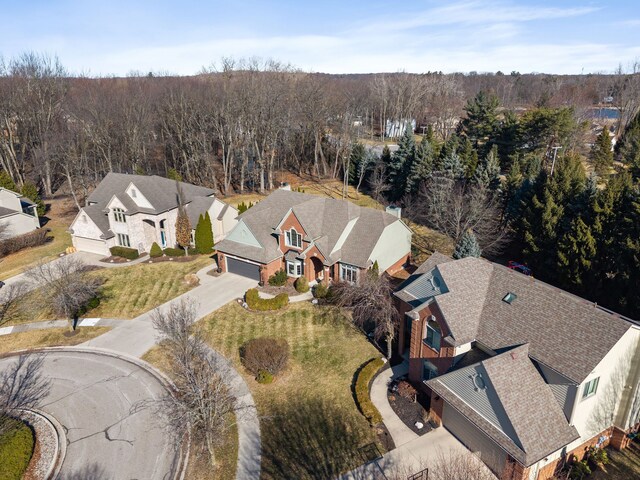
[118, 215]
[590, 388]
[293, 238]
[433, 335]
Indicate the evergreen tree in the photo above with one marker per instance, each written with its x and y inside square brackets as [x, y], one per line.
[204, 234]
[629, 146]
[401, 162]
[6, 181]
[422, 166]
[576, 251]
[183, 225]
[467, 246]
[453, 167]
[488, 172]
[602, 153]
[481, 119]
[385, 157]
[30, 191]
[449, 148]
[469, 157]
[173, 174]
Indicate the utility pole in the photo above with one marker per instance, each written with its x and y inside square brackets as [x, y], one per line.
[553, 163]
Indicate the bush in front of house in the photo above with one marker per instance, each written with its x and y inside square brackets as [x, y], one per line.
[265, 354]
[26, 240]
[301, 285]
[365, 404]
[265, 304]
[124, 252]
[278, 279]
[320, 290]
[155, 251]
[204, 234]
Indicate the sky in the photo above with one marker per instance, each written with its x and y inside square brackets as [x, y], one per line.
[114, 37]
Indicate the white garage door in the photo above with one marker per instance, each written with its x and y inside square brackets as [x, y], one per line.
[474, 439]
[91, 245]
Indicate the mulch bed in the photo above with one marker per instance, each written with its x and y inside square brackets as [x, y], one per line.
[287, 288]
[165, 258]
[384, 437]
[410, 412]
[113, 259]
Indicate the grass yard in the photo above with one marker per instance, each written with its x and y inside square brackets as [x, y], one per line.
[226, 456]
[16, 448]
[311, 427]
[127, 292]
[624, 465]
[52, 337]
[61, 213]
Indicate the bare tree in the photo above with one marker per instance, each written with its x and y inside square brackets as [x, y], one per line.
[201, 401]
[379, 181]
[22, 385]
[9, 296]
[66, 286]
[371, 305]
[453, 207]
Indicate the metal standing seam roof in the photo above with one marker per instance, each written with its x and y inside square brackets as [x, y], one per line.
[323, 219]
[510, 402]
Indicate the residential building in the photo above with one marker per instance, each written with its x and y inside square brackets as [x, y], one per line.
[137, 210]
[317, 237]
[523, 373]
[18, 214]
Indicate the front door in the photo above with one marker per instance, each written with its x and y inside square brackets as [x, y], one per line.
[163, 235]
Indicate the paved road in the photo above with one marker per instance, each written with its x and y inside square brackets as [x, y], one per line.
[99, 400]
[137, 336]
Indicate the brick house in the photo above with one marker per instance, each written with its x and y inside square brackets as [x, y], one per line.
[137, 210]
[521, 372]
[320, 238]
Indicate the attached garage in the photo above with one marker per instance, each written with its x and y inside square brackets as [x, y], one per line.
[91, 245]
[474, 439]
[244, 268]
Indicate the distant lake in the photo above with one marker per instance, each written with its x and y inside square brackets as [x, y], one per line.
[604, 113]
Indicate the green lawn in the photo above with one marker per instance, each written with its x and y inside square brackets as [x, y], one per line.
[127, 291]
[16, 448]
[311, 427]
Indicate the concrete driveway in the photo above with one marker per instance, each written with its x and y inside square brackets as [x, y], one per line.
[100, 401]
[137, 336]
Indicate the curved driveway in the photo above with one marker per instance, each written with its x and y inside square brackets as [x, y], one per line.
[104, 405]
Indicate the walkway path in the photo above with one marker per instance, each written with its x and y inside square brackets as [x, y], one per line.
[85, 322]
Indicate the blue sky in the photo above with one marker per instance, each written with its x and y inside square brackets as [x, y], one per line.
[348, 36]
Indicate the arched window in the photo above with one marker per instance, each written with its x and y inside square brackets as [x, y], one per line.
[293, 238]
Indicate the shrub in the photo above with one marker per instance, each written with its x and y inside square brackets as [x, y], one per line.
[265, 304]
[580, 470]
[264, 377]
[178, 252]
[30, 191]
[320, 290]
[365, 404]
[91, 304]
[302, 285]
[278, 279]
[265, 354]
[31, 239]
[156, 251]
[124, 252]
[204, 234]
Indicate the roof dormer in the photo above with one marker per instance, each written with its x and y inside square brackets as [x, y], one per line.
[138, 198]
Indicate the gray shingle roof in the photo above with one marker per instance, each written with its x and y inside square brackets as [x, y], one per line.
[159, 191]
[100, 218]
[197, 207]
[324, 220]
[513, 405]
[552, 321]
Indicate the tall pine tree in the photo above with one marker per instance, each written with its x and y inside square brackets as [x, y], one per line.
[576, 251]
[401, 162]
[602, 153]
[467, 246]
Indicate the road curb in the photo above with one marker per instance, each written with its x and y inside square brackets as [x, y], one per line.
[60, 451]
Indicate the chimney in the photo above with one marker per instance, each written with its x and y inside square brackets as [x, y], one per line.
[395, 211]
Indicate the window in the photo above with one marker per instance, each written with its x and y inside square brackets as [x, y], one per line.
[433, 335]
[590, 388]
[293, 238]
[510, 298]
[123, 240]
[133, 193]
[429, 370]
[118, 215]
[294, 269]
[348, 273]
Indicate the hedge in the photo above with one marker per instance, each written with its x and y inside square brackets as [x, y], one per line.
[365, 404]
[17, 243]
[16, 448]
[124, 252]
[265, 304]
[178, 252]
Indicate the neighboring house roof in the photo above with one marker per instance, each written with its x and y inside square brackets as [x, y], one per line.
[506, 397]
[323, 219]
[554, 322]
[161, 192]
[197, 207]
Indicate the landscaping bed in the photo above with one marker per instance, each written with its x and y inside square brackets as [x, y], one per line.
[623, 464]
[409, 410]
[287, 288]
